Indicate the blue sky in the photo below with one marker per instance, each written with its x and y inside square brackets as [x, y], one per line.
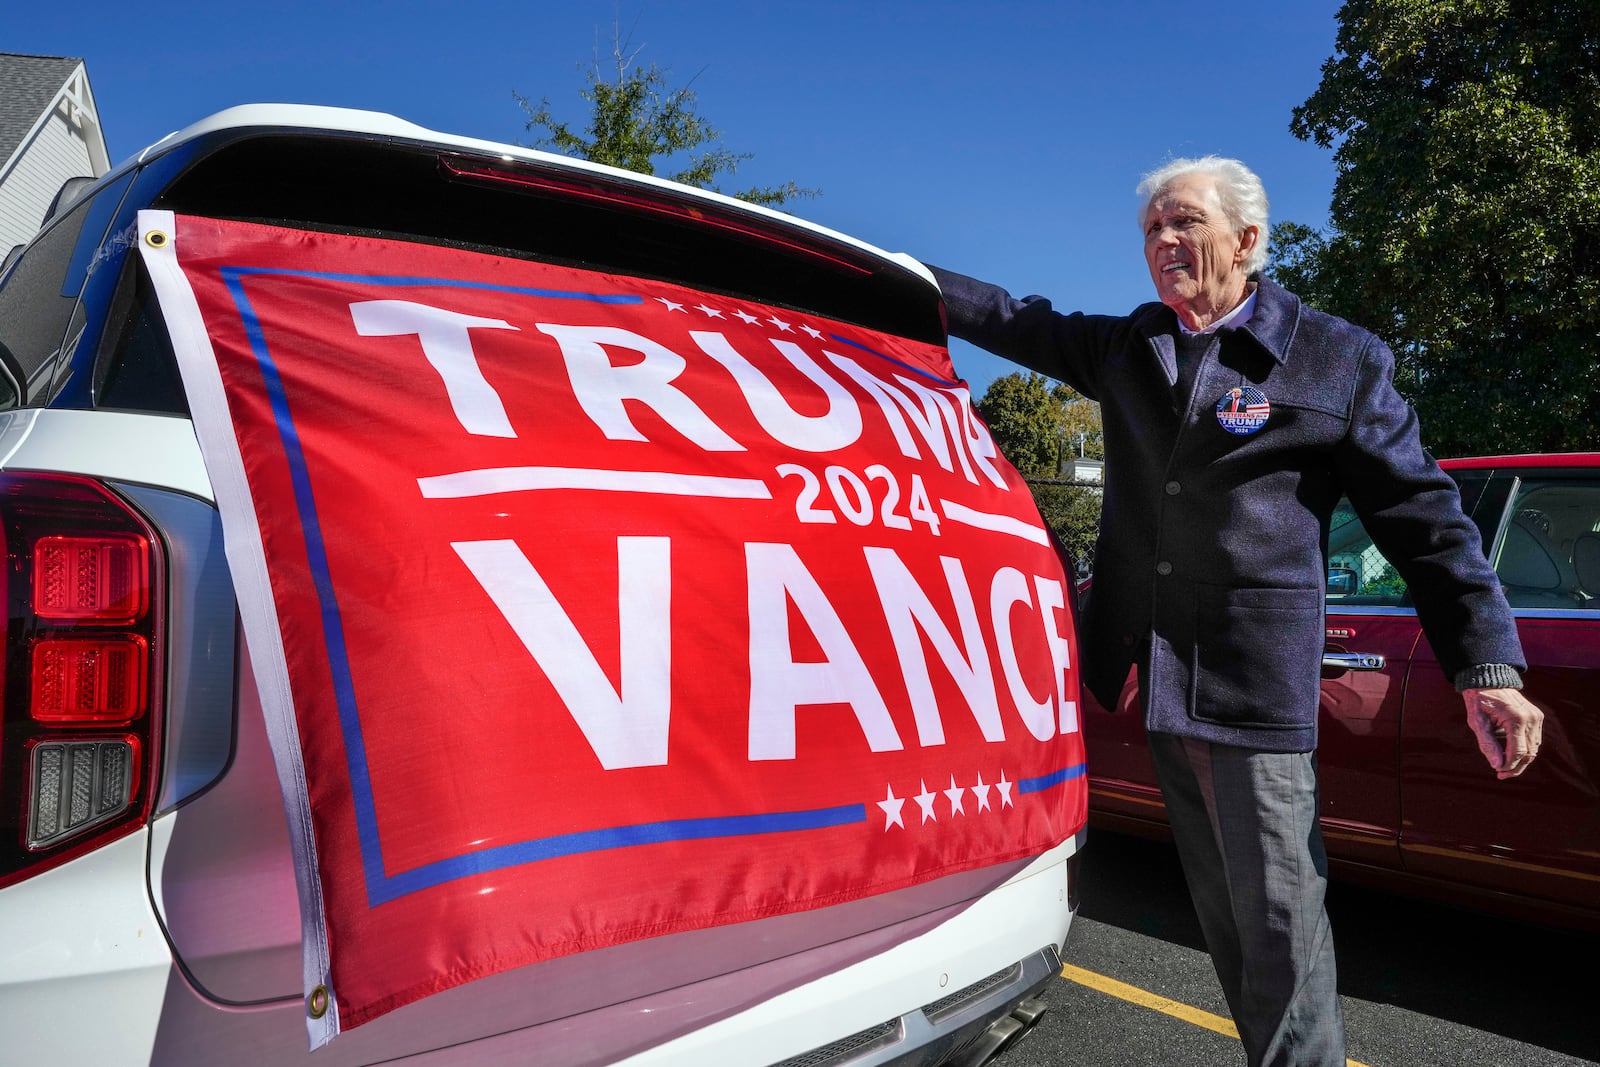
[1001, 138]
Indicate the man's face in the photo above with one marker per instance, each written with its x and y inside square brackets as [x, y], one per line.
[1194, 253]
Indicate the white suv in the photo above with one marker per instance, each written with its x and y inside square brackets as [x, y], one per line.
[148, 898]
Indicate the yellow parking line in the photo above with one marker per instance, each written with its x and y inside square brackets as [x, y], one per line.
[1144, 998]
[1135, 995]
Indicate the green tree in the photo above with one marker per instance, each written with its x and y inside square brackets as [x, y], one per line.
[638, 120]
[1465, 222]
[1081, 432]
[1025, 415]
[1037, 423]
[1073, 512]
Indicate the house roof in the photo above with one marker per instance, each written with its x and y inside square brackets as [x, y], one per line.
[28, 85]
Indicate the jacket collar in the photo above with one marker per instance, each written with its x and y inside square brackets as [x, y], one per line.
[1276, 318]
[1272, 326]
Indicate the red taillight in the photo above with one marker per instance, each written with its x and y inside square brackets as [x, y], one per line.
[81, 680]
[81, 669]
[98, 579]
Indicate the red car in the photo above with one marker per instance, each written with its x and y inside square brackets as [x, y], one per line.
[1407, 800]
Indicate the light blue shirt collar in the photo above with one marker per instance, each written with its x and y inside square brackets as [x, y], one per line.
[1237, 317]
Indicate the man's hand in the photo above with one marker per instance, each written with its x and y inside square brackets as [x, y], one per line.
[1508, 726]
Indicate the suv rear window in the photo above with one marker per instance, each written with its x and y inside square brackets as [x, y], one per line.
[420, 193]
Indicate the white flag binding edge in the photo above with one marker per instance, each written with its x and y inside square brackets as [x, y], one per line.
[208, 408]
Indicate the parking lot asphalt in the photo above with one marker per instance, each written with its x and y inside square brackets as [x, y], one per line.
[1423, 985]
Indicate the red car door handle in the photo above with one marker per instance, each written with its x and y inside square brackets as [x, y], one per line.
[1352, 661]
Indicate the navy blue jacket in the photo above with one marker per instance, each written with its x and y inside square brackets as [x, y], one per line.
[1213, 546]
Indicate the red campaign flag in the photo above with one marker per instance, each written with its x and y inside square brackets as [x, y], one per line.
[590, 608]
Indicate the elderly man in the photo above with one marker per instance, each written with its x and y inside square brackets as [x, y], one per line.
[1235, 417]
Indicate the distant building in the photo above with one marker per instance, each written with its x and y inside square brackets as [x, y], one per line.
[49, 132]
[1083, 471]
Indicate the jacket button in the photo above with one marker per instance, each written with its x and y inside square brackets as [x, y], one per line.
[1163, 568]
[1173, 488]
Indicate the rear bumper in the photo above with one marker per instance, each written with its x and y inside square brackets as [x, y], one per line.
[926, 1001]
[968, 1028]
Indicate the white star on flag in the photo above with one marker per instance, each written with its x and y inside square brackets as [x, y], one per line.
[816, 335]
[710, 313]
[954, 793]
[780, 324]
[670, 306]
[925, 801]
[1005, 790]
[748, 318]
[891, 810]
[981, 791]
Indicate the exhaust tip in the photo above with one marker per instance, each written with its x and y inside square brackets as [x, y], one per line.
[1003, 1033]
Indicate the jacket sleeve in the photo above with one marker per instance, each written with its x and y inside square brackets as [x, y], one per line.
[1412, 509]
[1067, 347]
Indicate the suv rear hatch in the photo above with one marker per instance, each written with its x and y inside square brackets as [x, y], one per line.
[222, 877]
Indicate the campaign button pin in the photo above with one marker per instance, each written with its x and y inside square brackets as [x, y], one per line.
[1243, 410]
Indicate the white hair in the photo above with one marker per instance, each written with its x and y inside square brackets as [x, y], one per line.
[1240, 192]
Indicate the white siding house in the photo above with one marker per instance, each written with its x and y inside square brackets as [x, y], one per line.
[49, 132]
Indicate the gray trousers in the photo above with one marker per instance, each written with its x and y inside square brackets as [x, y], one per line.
[1246, 827]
